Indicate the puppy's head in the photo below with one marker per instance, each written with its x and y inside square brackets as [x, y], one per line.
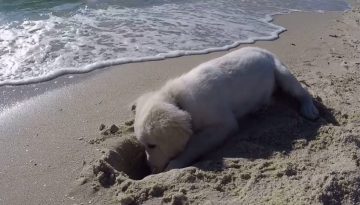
[162, 128]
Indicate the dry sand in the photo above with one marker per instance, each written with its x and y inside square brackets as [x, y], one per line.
[54, 150]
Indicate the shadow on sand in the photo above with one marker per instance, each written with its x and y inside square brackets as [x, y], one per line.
[274, 128]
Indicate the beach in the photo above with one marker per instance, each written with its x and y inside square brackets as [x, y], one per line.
[51, 137]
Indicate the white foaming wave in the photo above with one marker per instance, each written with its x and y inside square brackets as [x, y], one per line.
[21, 46]
[39, 50]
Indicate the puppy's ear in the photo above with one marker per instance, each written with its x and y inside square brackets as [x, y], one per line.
[180, 119]
[178, 128]
[184, 119]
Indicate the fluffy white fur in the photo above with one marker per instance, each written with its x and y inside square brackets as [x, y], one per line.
[192, 114]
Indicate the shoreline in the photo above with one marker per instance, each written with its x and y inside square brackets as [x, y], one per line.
[44, 141]
[14, 93]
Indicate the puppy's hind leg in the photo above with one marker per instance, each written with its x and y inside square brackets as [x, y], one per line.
[203, 142]
[288, 83]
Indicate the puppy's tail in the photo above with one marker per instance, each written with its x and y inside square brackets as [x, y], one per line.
[288, 83]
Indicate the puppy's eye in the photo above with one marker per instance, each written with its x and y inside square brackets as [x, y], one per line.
[151, 146]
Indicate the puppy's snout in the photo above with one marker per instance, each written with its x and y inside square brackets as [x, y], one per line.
[154, 169]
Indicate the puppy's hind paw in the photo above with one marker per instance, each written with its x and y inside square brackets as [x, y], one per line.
[309, 111]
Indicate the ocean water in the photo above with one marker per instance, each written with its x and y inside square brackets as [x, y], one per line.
[42, 39]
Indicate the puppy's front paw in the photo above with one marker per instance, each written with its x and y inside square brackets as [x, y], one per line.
[133, 108]
[309, 111]
[174, 164]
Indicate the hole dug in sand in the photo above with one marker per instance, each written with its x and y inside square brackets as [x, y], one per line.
[127, 157]
[122, 157]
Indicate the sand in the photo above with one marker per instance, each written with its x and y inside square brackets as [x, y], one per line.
[59, 146]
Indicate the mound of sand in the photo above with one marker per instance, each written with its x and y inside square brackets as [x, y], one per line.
[296, 162]
[277, 158]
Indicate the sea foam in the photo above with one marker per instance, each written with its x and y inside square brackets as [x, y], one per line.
[78, 38]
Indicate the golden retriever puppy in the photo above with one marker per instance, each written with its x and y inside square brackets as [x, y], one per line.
[194, 113]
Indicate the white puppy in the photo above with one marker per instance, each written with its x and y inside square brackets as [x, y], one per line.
[197, 111]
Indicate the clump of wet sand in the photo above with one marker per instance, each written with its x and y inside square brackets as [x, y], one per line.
[278, 157]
